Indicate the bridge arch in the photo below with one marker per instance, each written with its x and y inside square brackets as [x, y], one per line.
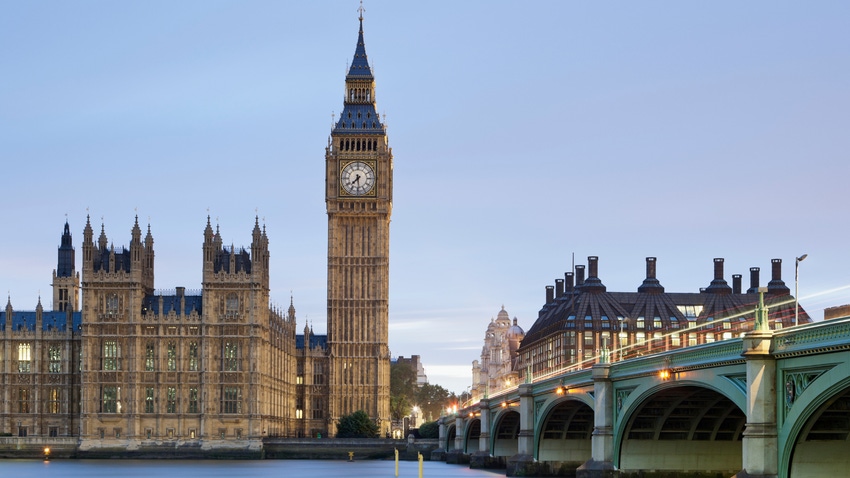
[563, 435]
[451, 434]
[472, 436]
[659, 426]
[504, 439]
[816, 430]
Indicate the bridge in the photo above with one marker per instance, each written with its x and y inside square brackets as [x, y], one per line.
[766, 404]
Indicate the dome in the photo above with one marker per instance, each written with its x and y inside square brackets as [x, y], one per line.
[516, 330]
[503, 317]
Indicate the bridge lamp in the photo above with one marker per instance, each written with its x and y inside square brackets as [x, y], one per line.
[664, 374]
[797, 287]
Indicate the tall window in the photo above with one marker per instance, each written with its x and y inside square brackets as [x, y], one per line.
[231, 357]
[148, 399]
[231, 400]
[112, 305]
[23, 400]
[111, 352]
[149, 357]
[172, 356]
[171, 400]
[193, 356]
[193, 400]
[318, 374]
[54, 364]
[111, 398]
[54, 396]
[231, 306]
[24, 357]
[318, 408]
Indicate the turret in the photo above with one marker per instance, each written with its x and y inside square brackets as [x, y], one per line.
[66, 280]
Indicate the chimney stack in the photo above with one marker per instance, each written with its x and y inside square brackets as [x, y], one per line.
[754, 280]
[568, 278]
[777, 286]
[651, 283]
[736, 283]
[718, 285]
[579, 276]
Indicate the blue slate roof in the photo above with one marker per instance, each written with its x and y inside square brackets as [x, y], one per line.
[150, 304]
[315, 341]
[53, 320]
[359, 119]
[359, 115]
[122, 260]
[360, 65]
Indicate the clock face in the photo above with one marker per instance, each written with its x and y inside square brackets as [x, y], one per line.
[357, 178]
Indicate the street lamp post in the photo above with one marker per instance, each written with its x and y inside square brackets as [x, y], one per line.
[797, 288]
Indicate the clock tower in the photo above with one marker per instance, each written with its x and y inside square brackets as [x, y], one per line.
[358, 195]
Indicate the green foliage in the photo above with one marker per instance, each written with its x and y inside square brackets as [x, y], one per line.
[429, 430]
[356, 425]
[432, 400]
[399, 407]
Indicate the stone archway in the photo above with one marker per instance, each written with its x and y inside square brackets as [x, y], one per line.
[683, 428]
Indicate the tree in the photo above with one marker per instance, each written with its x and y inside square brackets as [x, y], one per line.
[402, 389]
[399, 407]
[356, 425]
[432, 400]
[429, 430]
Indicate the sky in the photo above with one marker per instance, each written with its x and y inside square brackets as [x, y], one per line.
[524, 135]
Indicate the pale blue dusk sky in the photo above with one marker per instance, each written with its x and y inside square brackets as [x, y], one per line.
[522, 133]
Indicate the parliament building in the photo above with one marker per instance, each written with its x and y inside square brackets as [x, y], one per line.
[121, 365]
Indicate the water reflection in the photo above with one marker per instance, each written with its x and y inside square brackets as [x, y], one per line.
[251, 468]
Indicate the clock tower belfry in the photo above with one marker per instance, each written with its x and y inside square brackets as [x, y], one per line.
[358, 196]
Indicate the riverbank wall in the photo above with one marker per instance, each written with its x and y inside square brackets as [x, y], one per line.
[269, 448]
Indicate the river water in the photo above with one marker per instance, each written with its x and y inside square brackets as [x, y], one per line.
[236, 468]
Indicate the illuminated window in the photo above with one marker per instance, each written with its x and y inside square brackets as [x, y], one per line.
[171, 355]
[193, 357]
[692, 339]
[727, 325]
[24, 357]
[640, 322]
[171, 400]
[675, 341]
[299, 414]
[656, 323]
[54, 396]
[588, 339]
[231, 357]
[54, 359]
[111, 352]
[149, 357]
[727, 335]
[624, 339]
[112, 305]
[709, 337]
[111, 399]
[641, 338]
[149, 400]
